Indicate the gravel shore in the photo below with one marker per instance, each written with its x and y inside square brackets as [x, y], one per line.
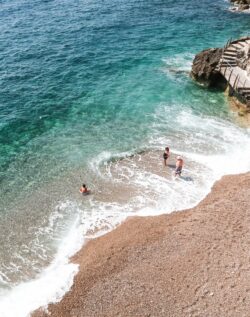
[190, 263]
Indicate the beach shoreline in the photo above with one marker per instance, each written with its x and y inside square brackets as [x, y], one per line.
[92, 92]
[186, 263]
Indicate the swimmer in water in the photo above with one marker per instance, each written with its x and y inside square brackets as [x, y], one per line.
[84, 190]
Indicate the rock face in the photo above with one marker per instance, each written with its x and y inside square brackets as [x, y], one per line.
[226, 67]
[204, 68]
[241, 5]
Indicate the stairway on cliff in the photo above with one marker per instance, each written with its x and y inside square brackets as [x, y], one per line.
[230, 69]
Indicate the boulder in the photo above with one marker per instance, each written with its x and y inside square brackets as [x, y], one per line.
[244, 7]
[204, 68]
[240, 1]
[242, 4]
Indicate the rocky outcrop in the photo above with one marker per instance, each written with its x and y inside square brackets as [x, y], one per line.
[241, 5]
[204, 68]
[227, 67]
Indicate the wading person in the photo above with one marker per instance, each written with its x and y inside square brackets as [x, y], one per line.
[179, 164]
[166, 155]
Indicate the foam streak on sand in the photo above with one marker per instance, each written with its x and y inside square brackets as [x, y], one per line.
[57, 279]
[58, 276]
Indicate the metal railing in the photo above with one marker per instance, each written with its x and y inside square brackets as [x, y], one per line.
[238, 83]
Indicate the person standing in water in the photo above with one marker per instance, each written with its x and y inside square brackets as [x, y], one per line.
[84, 190]
[166, 155]
[179, 164]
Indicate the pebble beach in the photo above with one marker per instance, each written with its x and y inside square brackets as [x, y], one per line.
[189, 263]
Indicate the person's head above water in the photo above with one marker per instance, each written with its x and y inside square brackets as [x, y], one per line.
[179, 157]
[167, 148]
[83, 185]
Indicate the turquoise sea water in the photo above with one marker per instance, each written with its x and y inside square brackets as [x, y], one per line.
[84, 84]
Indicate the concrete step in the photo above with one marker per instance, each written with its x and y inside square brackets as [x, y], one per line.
[227, 58]
[245, 93]
[242, 40]
[231, 49]
[230, 61]
[230, 54]
[228, 65]
[234, 46]
[225, 62]
[241, 44]
[244, 88]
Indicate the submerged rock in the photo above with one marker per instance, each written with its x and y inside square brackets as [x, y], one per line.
[204, 68]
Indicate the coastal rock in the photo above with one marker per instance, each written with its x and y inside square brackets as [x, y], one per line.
[204, 68]
[241, 5]
[240, 1]
[244, 7]
[220, 67]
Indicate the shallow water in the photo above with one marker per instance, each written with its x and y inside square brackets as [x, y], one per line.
[92, 91]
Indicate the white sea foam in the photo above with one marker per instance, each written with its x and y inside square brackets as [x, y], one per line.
[57, 279]
[211, 148]
[178, 63]
[103, 158]
[51, 285]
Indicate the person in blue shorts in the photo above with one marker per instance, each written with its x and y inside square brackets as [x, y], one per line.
[179, 164]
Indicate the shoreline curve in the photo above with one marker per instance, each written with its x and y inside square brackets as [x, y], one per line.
[186, 263]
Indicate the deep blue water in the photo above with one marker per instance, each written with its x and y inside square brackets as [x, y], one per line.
[82, 78]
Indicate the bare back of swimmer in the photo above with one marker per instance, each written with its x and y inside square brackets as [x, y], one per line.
[84, 190]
